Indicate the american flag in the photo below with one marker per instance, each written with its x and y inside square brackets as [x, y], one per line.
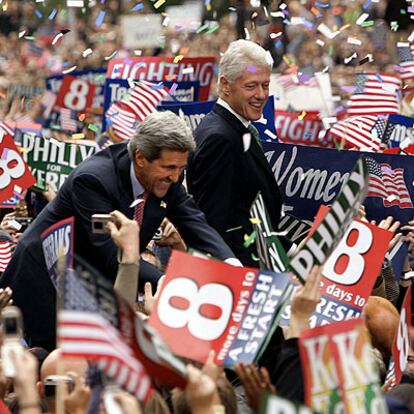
[143, 99]
[388, 184]
[375, 93]
[406, 54]
[5, 255]
[67, 121]
[85, 330]
[363, 133]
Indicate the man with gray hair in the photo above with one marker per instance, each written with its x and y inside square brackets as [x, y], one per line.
[141, 180]
[228, 167]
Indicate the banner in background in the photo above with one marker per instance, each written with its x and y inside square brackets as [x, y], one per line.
[311, 176]
[141, 30]
[157, 69]
[292, 128]
[116, 89]
[194, 112]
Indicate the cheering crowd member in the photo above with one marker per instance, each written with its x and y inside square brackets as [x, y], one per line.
[224, 173]
[148, 171]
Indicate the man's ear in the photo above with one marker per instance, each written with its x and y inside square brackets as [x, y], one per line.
[224, 86]
[139, 158]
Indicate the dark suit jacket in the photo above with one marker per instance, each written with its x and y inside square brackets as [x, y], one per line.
[225, 179]
[99, 185]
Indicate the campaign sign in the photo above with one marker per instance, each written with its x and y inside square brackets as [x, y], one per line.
[117, 89]
[75, 94]
[349, 274]
[310, 176]
[57, 245]
[94, 77]
[51, 161]
[194, 112]
[208, 305]
[330, 230]
[400, 131]
[293, 129]
[401, 345]
[271, 404]
[339, 371]
[15, 174]
[160, 68]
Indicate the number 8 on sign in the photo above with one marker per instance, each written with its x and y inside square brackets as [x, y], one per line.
[13, 167]
[184, 304]
[75, 94]
[75, 99]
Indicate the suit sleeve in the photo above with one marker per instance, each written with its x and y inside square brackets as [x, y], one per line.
[193, 227]
[90, 197]
[212, 181]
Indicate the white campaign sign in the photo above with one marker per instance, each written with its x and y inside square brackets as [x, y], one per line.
[141, 31]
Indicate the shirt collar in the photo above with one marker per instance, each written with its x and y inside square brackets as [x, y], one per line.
[224, 104]
[137, 188]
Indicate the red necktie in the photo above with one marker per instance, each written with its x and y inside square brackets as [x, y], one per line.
[139, 209]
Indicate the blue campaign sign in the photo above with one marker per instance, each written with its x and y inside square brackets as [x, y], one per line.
[116, 90]
[311, 176]
[94, 76]
[194, 112]
[401, 129]
[57, 242]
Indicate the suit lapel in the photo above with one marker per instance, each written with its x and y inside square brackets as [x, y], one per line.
[123, 163]
[254, 149]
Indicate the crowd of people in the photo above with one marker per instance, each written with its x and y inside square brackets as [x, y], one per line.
[198, 190]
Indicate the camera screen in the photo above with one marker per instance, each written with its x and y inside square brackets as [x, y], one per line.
[10, 326]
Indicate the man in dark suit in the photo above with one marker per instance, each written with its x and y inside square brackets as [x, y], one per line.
[228, 167]
[148, 189]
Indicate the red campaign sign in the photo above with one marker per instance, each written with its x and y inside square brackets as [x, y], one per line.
[195, 314]
[163, 68]
[292, 129]
[338, 364]
[15, 175]
[401, 346]
[350, 272]
[75, 94]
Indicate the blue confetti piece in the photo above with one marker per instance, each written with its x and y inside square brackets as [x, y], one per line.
[52, 14]
[367, 4]
[38, 14]
[138, 6]
[322, 5]
[378, 76]
[99, 20]
[278, 44]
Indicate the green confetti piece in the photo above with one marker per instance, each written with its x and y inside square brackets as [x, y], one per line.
[99, 77]
[250, 239]
[201, 28]
[101, 38]
[402, 11]
[330, 50]
[93, 127]
[255, 258]
[30, 37]
[213, 29]
[367, 23]
[234, 228]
